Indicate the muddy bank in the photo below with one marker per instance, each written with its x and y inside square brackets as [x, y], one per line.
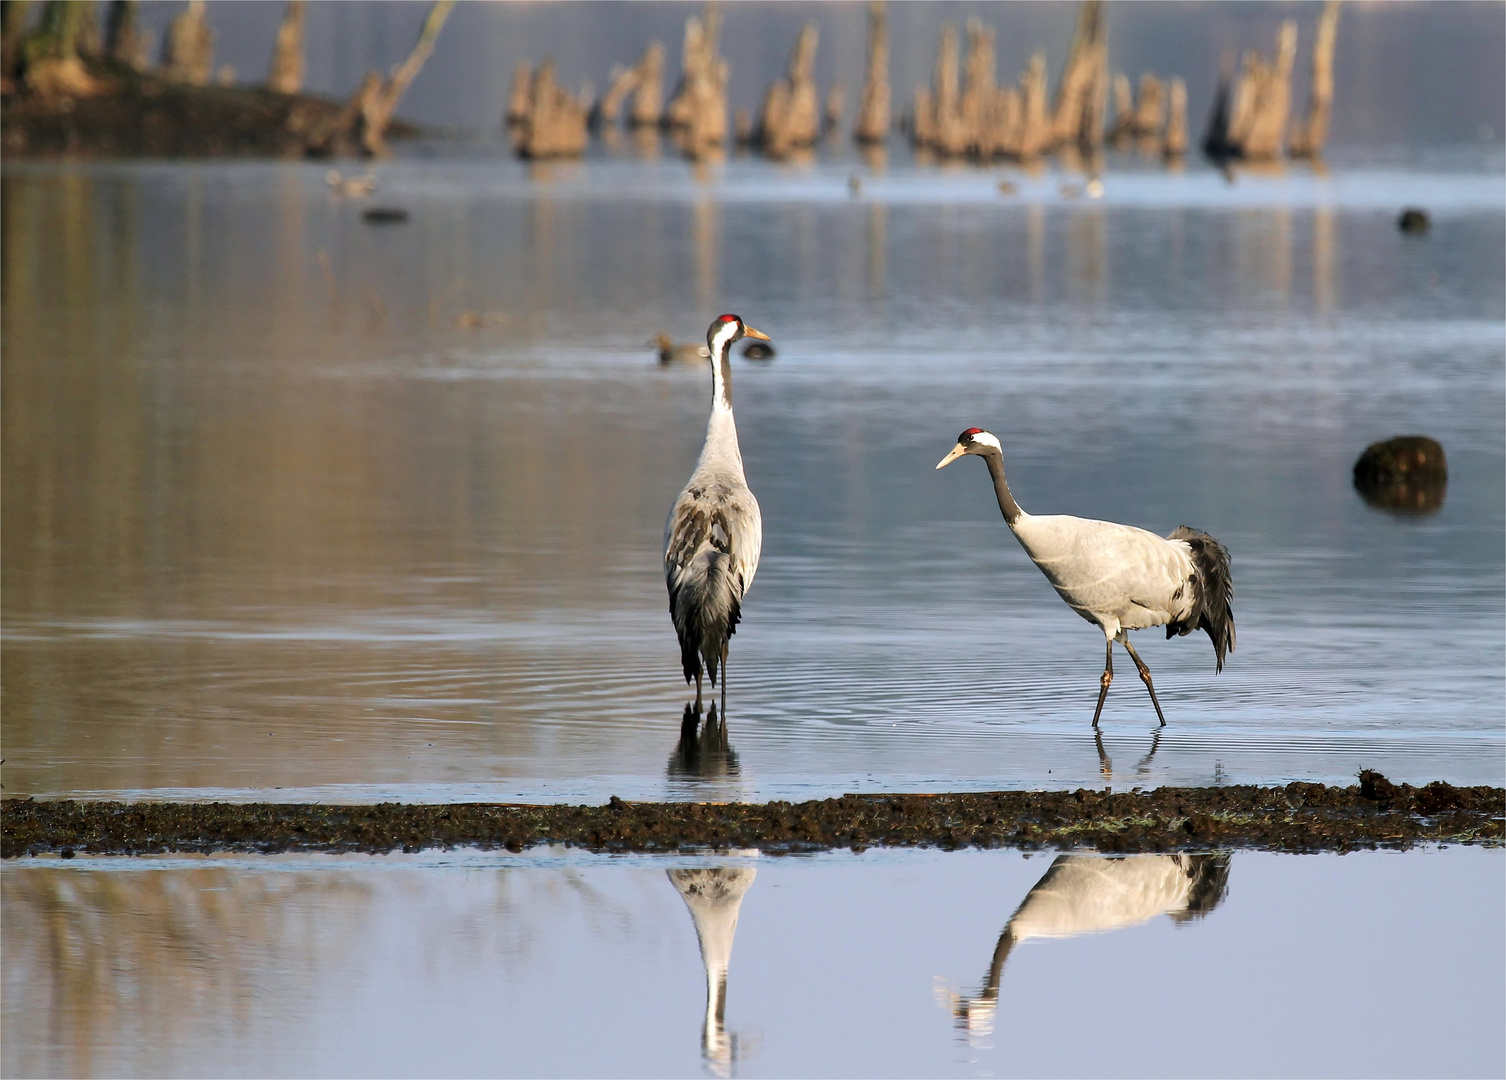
[141, 115]
[1298, 817]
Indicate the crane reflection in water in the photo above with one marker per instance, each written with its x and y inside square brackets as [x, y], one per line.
[703, 751]
[1093, 894]
[714, 896]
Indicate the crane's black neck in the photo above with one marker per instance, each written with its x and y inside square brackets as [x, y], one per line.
[1007, 504]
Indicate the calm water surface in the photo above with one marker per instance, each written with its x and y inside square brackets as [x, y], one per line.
[296, 507]
[884, 964]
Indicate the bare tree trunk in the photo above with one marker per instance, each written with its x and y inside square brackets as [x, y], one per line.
[947, 133]
[518, 95]
[13, 15]
[621, 82]
[873, 113]
[977, 107]
[1311, 133]
[791, 111]
[49, 58]
[123, 32]
[377, 108]
[556, 124]
[1175, 143]
[1035, 135]
[189, 55]
[698, 109]
[1124, 110]
[1150, 108]
[1272, 107]
[286, 73]
[648, 92]
[836, 105]
[1075, 98]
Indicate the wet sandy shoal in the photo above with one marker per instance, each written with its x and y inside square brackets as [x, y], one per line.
[1297, 817]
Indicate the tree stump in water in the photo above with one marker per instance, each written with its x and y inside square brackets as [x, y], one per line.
[791, 113]
[286, 73]
[1310, 133]
[872, 125]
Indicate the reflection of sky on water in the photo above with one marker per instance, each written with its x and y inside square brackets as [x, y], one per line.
[282, 523]
[563, 964]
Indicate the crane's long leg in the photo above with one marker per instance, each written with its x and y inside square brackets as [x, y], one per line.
[1144, 674]
[698, 689]
[1108, 677]
[725, 645]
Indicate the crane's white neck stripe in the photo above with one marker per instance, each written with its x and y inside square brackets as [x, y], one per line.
[721, 341]
[721, 382]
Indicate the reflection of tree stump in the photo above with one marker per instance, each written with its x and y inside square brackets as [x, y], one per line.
[1407, 474]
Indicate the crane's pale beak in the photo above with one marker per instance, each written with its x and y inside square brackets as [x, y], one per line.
[957, 452]
[759, 334]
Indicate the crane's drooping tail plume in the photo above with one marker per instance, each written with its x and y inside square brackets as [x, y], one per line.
[705, 598]
[1214, 588]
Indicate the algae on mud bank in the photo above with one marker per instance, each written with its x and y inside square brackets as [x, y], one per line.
[1297, 817]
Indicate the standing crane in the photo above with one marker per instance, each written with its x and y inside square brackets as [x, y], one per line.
[1118, 577]
[714, 531]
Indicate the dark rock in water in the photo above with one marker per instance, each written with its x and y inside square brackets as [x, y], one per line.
[758, 350]
[1407, 474]
[1413, 221]
[384, 215]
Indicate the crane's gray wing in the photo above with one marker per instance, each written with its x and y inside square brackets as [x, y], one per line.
[712, 527]
[1106, 570]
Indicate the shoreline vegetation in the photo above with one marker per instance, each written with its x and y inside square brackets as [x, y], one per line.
[71, 87]
[1299, 817]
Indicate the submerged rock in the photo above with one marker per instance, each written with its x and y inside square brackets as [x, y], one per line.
[1414, 221]
[1407, 475]
[384, 215]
